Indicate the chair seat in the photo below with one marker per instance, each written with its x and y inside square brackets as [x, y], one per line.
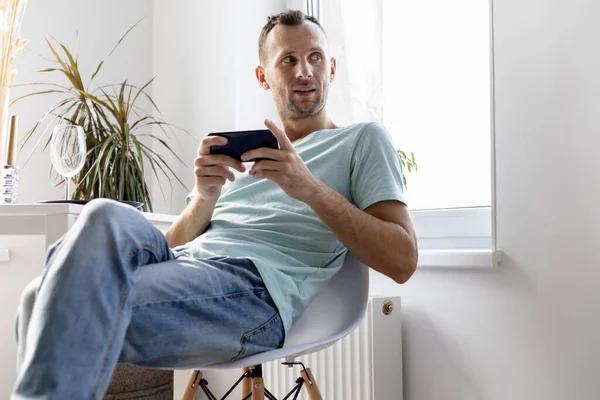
[334, 313]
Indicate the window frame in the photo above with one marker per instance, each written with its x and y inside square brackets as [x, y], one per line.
[463, 237]
[458, 237]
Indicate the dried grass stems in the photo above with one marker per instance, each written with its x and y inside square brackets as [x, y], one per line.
[11, 45]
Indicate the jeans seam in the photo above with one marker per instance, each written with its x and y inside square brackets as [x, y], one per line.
[218, 296]
[110, 343]
[137, 250]
[246, 336]
[123, 299]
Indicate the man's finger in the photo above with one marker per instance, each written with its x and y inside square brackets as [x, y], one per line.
[266, 174]
[209, 141]
[265, 165]
[218, 159]
[263, 152]
[282, 138]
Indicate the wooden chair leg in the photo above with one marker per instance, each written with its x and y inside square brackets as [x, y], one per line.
[246, 383]
[258, 389]
[311, 385]
[192, 386]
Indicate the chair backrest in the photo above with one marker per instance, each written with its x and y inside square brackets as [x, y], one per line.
[337, 309]
[334, 313]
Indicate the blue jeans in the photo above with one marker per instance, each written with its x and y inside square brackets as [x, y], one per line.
[113, 291]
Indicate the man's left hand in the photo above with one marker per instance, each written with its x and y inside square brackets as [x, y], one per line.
[284, 167]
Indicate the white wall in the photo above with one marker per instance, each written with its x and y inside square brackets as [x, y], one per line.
[530, 329]
[205, 54]
[100, 25]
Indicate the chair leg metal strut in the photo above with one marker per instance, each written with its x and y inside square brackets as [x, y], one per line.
[253, 387]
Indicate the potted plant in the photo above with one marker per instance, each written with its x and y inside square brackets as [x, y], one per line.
[114, 126]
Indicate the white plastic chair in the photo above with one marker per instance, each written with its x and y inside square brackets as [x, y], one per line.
[335, 312]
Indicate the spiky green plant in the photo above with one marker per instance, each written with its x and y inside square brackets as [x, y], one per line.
[113, 124]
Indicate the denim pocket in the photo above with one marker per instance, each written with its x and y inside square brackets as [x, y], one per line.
[268, 336]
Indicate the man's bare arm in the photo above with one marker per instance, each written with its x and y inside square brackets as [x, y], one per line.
[382, 236]
[192, 221]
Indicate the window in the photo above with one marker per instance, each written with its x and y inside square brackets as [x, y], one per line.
[437, 102]
[424, 69]
[436, 98]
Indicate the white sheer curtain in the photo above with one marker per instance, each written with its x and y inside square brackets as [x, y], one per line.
[354, 29]
[435, 63]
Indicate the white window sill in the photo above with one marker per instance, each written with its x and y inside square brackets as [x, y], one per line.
[459, 258]
[456, 238]
[439, 260]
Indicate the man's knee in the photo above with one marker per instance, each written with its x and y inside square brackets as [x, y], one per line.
[102, 210]
[111, 219]
[98, 218]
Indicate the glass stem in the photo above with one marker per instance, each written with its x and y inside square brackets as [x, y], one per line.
[68, 180]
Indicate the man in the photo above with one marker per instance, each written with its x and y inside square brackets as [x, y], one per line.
[245, 257]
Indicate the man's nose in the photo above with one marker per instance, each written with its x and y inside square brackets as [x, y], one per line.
[304, 71]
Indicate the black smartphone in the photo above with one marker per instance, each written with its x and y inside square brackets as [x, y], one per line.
[243, 141]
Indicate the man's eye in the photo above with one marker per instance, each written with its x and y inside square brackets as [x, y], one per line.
[316, 57]
[289, 60]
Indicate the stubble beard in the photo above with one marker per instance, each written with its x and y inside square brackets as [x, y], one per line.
[292, 110]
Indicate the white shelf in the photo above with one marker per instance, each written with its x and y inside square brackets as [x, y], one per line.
[66, 208]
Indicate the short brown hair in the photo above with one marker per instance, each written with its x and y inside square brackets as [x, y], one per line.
[289, 18]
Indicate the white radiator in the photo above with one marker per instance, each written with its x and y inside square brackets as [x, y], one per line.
[365, 365]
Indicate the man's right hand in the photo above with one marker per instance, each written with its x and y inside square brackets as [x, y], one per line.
[212, 170]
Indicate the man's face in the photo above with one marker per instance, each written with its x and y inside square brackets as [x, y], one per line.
[297, 69]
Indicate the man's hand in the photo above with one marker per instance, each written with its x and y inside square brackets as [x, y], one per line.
[212, 170]
[285, 166]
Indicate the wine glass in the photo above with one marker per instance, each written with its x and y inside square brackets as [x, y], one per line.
[67, 151]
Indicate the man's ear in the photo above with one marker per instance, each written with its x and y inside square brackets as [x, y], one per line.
[333, 69]
[260, 77]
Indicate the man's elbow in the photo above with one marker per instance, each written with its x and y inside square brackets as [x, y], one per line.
[407, 267]
[171, 236]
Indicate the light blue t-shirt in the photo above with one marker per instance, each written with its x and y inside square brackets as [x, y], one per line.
[293, 250]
